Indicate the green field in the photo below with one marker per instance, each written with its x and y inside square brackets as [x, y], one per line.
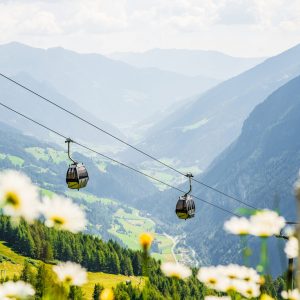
[12, 264]
[129, 225]
[47, 154]
[90, 197]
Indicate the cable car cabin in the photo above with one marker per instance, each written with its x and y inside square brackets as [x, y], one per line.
[77, 176]
[185, 207]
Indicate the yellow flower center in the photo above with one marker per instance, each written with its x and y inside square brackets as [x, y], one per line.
[212, 281]
[12, 199]
[175, 275]
[249, 292]
[57, 220]
[232, 276]
[68, 279]
[231, 288]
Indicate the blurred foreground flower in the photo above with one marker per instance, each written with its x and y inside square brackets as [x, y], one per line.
[71, 273]
[239, 226]
[16, 290]
[291, 247]
[231, 278]
[175, 270]
[18, 196]
[266, 297]
[291, 294]
[107, 294]
[62, 213]
[266, 223]
[146, 240]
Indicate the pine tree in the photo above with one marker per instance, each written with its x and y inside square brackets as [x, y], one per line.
[75, 293]
[27, 274]
[97, 291]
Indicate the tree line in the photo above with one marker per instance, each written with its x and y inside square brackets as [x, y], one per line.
[46, 244]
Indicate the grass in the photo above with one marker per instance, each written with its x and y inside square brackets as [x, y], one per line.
[89, 197]
[38, 153]
[15, 160]
[46, 154]
[108, 281]
[47, 193]
[128, 227]
[14, 265]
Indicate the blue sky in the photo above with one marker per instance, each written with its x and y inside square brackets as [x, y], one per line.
[236, 27]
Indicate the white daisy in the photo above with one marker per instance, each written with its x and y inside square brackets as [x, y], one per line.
[210, 276]
[266, 223]
[239, 226]
[71, 273]
[249, 275]
[292, 247]
[62, 213]
[249, 289]
[291, 294]
[16, 290]
[175, 270]
[18, 196]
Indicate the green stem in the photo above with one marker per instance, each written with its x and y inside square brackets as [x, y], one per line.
[246, 250]
[263, 255]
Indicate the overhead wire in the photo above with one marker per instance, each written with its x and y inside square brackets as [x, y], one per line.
[114, 160]
[124, 142]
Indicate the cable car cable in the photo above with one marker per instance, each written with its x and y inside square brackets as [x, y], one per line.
[114, 160]
[124, 142]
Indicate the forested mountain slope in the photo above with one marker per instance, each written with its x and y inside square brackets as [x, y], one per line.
[260, 167]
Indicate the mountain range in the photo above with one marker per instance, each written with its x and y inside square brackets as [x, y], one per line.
[111, 90]
[211, 64]
[259, 169]
[200, 130]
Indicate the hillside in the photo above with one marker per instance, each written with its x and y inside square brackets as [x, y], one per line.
[200, 130]
[109, 199]
[260, 167]
[12, 265]
[99, 84]
[211, 64]
[43, 247]
[31, 105]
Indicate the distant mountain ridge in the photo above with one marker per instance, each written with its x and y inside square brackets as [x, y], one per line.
[211, 64]
[38, 109]
[200, 130]
[112, 91]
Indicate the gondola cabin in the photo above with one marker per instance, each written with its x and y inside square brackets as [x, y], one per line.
[77, 176]
[185, 207]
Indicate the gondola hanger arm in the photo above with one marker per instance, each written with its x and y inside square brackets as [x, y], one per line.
[68, 141]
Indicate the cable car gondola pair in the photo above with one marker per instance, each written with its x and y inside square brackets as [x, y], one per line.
[77, 176]
[185, 207]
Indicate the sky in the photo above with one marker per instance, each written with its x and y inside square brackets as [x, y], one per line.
[245, 28]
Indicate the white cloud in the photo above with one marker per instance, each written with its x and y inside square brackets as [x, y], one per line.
[239, 27]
